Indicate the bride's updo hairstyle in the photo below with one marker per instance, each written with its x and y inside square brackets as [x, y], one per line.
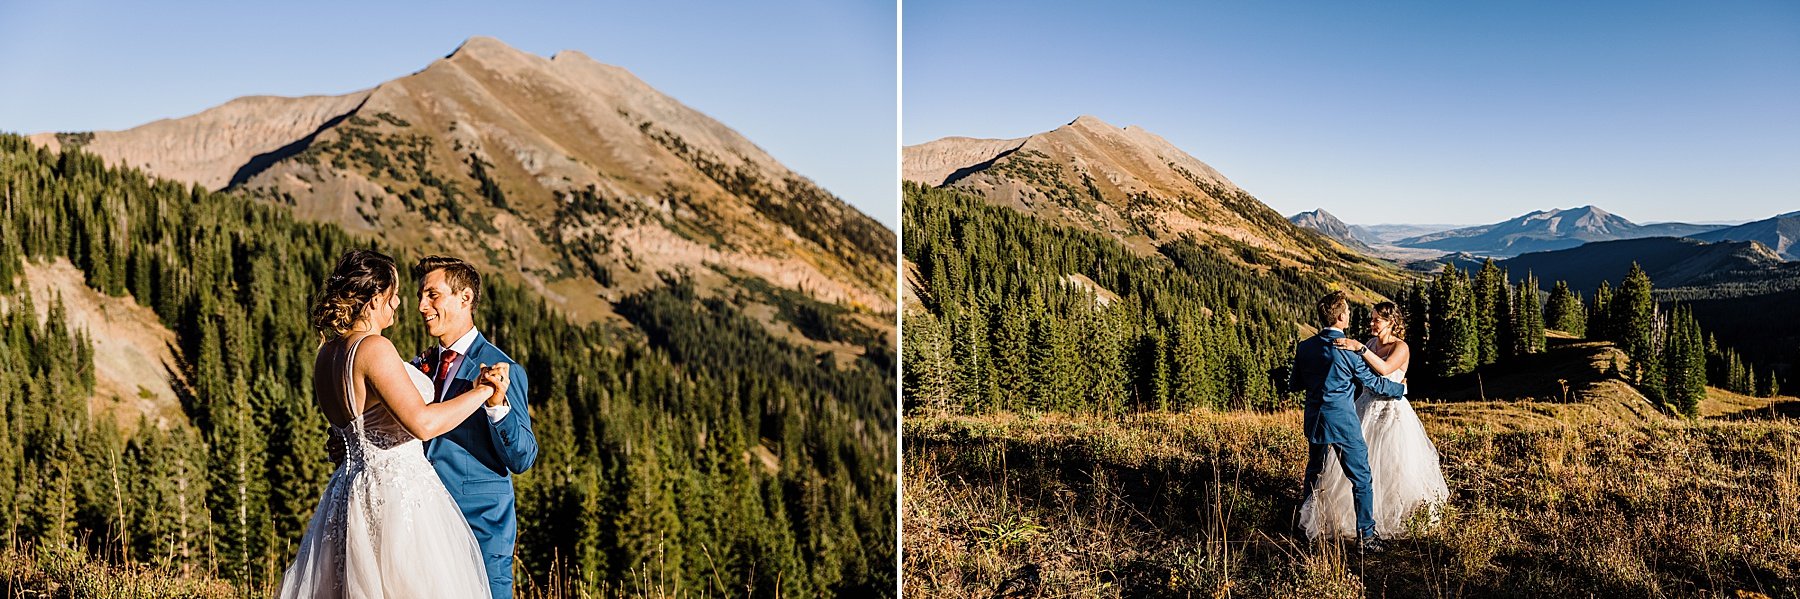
[359, 276]
[1395, 317]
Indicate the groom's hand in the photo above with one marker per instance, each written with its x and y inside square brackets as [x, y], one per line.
[497, 376]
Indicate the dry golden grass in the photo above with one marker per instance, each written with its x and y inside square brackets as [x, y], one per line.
[61, 572]
[1548, 499]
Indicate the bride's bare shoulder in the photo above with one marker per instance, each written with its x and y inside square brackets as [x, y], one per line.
[375, 347]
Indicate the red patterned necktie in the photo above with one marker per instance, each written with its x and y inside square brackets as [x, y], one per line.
[446, 359]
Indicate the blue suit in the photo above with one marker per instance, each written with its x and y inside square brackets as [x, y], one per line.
[477, 458]
[1330, 377]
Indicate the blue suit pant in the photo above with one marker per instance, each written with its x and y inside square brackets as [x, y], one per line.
[1353, 456]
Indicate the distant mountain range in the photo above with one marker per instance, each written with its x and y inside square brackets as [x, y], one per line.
[1547, 230]
[574, 177]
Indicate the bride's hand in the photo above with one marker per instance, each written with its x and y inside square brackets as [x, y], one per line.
[499, 378]
[1347, 343]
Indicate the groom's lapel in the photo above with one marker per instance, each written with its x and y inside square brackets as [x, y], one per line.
[468, 369]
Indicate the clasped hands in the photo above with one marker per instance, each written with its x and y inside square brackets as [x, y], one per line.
[497, 377]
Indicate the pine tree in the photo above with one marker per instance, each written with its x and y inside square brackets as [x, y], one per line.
[1531, 316]
[1564, 311]
[1187, 366]
[1599, 325]
[1736, 374]
[239, 485]
[1103, 356]
[928, 377]
[1489, 287]
[1452, 324]
[1685, 356]
[974, 388]
[1049, 366]
[1634, 314]
[1011, 352]
[1418, 311]
[1507, 337]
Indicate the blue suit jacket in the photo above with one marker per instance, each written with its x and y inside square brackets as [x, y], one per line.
[477, 458]
[1330, 376]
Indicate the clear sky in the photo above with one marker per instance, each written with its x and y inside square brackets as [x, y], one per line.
[1398, 112]
[810, 81]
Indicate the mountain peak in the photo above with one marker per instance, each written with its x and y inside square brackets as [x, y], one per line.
[481, 45]
[1330, 226]
[567, 55]
[1090, 121]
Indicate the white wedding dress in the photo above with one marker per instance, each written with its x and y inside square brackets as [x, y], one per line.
[1403, 463]
[386, 527]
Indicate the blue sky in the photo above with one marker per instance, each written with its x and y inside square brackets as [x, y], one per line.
[810, 81]
[1398, 112]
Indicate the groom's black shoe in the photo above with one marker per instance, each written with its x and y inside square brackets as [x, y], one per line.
[1370, 544]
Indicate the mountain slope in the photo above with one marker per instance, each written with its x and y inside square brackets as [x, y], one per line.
[1328, 225]
[1781, 233]
[1546, 230]
[1671, 262]
[1138, 188]
[577, 176]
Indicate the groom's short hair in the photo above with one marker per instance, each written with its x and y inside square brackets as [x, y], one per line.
[1332, 306]
[459, 274]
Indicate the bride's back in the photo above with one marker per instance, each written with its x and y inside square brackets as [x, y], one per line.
[338, 403]
[329, 393]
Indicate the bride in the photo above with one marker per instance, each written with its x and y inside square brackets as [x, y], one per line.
[385, 527]
[1402, 459]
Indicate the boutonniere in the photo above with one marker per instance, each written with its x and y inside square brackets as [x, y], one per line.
[425, 367]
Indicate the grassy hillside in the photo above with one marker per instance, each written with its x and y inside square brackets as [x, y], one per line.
[1591, 494]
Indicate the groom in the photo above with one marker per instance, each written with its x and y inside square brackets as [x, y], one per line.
[1329, 375]
[476, 458]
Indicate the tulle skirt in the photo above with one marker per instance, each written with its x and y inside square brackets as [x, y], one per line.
[1403, 463]
[387, 528]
